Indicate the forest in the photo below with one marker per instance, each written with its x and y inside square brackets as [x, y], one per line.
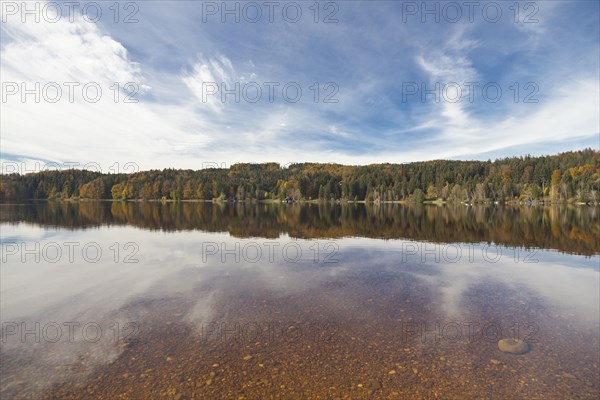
[566, 177]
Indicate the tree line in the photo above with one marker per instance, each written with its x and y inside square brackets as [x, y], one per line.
[565, 177]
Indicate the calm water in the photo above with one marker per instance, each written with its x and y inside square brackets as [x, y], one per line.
[194, 301]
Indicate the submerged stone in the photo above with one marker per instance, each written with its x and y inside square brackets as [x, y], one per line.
[513, 346]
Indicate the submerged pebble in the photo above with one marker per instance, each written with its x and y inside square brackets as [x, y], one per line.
[513, 346]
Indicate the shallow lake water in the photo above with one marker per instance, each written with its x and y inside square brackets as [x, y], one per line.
[106, 300]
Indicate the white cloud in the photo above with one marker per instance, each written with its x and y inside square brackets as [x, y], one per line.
[64, 51]
[459, 132]
[104, 132]
[207, 80]
[451, 73]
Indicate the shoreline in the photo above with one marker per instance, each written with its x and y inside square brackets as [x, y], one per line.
[341, 202]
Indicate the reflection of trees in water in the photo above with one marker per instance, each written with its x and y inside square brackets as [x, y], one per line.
[570, 229]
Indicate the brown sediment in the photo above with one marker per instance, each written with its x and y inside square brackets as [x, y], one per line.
[350, 338]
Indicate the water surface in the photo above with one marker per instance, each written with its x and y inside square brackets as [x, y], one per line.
[193, 300]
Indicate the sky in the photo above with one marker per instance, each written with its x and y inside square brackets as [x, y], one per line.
[119, 87]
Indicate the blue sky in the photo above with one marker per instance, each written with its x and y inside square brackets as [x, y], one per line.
[373, 59]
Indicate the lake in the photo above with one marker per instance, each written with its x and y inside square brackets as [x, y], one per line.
[256, 301]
